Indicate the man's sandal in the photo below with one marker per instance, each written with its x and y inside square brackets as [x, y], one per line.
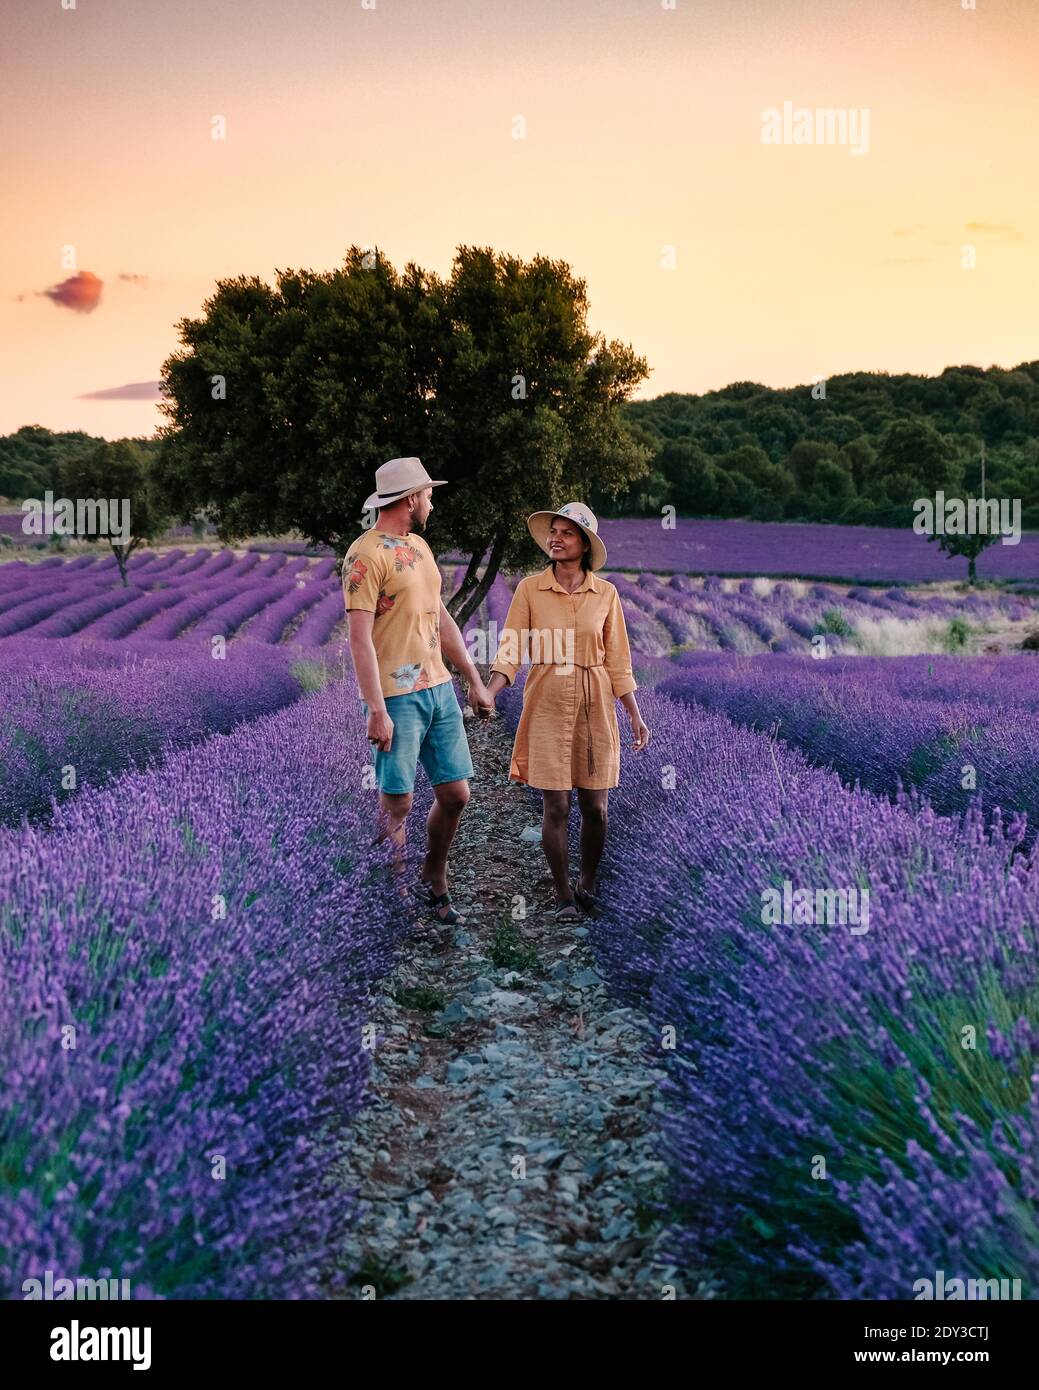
[440, 907]
[567, 912]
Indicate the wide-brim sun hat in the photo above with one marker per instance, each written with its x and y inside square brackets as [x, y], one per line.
[396, 479]
[582, 517]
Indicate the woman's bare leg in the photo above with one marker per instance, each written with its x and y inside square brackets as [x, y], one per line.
[555, 841]
[593, 833]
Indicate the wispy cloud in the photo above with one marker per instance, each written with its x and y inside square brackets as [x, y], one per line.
[1000, 229]
[132, 391]
[141, 280]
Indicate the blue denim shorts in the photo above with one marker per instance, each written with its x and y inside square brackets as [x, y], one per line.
[427, 729]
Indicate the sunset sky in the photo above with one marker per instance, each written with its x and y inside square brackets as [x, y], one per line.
[393, 126]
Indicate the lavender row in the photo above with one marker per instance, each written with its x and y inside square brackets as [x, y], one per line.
[959, 730]
[185, 961]
[70, 718]
[845, 1112]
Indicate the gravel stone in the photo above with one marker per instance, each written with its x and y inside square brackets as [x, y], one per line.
[509, 1149]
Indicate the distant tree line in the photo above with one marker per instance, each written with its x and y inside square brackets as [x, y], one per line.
[32, 459]
[859, 455]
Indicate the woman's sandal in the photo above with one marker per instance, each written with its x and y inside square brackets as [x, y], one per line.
[588, 901]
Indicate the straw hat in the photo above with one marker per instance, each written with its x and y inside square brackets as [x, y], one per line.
[398, 478]
[582, 517]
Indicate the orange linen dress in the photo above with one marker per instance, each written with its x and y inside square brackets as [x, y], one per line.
[580, 664]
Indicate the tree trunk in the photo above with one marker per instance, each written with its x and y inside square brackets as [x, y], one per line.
[972, 569]
[467, 585]
[122, 554]
[471, 591]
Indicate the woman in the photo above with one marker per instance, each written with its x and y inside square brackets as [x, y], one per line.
[580, 663]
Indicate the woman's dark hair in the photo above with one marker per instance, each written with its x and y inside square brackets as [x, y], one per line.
[586, 553]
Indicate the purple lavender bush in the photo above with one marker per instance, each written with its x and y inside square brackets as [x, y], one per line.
[185, 961]
[62, 707]
[901, 1057]
[321, 621]
[960, 729]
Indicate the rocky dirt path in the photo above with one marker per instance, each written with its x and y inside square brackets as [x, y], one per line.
[508, 1150]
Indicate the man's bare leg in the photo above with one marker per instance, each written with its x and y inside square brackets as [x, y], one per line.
[393, 815]
[449, 801]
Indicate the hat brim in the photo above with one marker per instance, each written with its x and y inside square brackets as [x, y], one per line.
[376, 501]
[539, 522]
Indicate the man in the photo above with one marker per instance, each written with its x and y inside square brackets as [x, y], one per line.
[400, 633]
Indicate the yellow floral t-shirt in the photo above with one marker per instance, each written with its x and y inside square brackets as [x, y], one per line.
[396, 578]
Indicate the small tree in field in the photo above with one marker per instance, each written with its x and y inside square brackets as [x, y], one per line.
[968, 546]
[117, 471]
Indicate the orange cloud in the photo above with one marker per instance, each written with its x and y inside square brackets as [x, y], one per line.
[81, 292]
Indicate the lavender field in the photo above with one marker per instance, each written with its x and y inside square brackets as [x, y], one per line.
[215, 594]
[794, 550]
[100, 707]
[295, 601]
[200, 904]
[856, 554]
[963, 733]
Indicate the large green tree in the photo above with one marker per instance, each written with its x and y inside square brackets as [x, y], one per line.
[284, 401]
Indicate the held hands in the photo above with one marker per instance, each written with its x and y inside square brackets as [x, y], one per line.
[640, 733]
[481, 700]
[380, 730]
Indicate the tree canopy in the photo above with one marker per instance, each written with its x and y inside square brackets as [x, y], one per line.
[285, 399]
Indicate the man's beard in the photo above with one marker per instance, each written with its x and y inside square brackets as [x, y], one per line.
[416, 525]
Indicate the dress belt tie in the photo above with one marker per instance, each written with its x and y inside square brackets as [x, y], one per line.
[586, 682]
[586, 695]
